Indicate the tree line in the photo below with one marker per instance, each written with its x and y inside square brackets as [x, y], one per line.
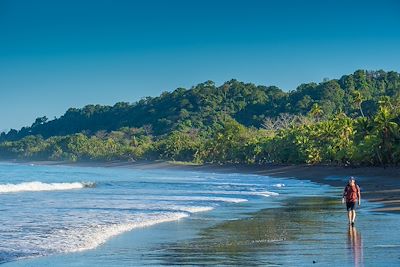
[352, 120]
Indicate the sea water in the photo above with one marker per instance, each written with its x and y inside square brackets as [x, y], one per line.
[94, 216]
[48, 210]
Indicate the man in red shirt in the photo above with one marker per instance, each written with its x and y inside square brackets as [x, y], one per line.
[351, 194]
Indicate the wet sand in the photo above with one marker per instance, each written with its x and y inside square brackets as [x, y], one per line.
[302, 232]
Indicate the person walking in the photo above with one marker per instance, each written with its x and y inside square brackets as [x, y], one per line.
[351, 194]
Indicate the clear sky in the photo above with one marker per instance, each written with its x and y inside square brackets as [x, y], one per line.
[69, 53]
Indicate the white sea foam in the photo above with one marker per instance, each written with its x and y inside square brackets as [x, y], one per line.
[267, 194]
[244, 193]
[176, 208]
[74, 240]
[39, 186]
[196, 198]
[194, 209]
[227, 192]
[279, 185]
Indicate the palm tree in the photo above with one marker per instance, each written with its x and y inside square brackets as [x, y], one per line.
[387, 130]
[316, 112]
[357, 100]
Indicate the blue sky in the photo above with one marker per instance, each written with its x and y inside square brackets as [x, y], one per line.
[60, 54]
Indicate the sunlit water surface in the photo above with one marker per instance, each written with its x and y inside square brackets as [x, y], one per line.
[83, 216]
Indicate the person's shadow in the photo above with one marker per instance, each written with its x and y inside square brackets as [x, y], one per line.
[355, 245]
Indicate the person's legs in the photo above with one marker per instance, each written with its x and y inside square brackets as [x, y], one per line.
[349, 215]
[353, 216]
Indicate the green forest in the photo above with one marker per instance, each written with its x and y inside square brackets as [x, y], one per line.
[352, 121]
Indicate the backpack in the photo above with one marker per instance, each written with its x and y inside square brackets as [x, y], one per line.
[356, 192]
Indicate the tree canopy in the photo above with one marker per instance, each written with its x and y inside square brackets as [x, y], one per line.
[351, 120]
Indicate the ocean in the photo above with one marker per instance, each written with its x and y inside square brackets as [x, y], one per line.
[97, 216]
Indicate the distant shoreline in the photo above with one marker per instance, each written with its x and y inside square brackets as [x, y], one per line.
[378, 184]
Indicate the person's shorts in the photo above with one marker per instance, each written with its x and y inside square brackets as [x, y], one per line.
[350, 206]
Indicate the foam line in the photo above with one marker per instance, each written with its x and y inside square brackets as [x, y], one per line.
[39, 186]
[79, 240]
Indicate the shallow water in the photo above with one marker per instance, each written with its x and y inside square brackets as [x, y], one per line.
[48, 210]
[75, 216]
[303, 232]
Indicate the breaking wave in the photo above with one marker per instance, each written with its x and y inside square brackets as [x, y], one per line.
[84, 239]
[39, 186]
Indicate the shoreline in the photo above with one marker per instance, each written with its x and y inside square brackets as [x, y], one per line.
[381, 185]
[293, 229]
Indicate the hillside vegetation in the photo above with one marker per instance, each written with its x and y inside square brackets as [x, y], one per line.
[352, 120]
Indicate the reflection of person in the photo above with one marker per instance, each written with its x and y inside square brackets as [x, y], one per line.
[356, 246]
[351, 194]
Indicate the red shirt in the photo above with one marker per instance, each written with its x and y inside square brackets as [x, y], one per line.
[352, 193]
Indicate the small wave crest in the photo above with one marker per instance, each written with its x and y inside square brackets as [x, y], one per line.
[90, 238]
[195, 209]
[39, 186]
[267, 194]
[243, 193]
[195, 198]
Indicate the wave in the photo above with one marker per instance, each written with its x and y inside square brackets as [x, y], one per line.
[244, 193]
[195, 198]
[79, 237]
[224, 192]
[174, 208]
[193, 209]
[74, 240]
[39, 186]
[267, 193]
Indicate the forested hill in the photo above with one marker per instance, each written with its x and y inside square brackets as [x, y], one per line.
[204, 104]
